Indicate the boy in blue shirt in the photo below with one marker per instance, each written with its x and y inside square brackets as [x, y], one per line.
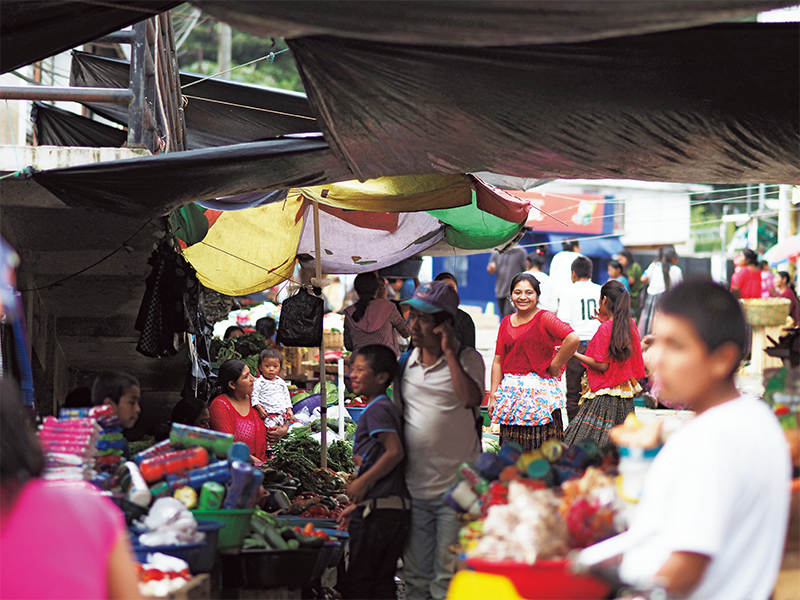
[379, 515]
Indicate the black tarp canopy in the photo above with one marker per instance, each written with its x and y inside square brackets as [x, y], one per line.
[217, 113]
[31, 30]
[717, 104]
[156, 185]
[485, 23]
[57, 127]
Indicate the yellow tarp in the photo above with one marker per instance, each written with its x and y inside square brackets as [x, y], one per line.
[263, 252]
[409, 193]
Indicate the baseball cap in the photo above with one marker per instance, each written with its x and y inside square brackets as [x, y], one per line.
[434, 297]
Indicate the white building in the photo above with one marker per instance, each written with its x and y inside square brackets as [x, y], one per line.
[645, 214]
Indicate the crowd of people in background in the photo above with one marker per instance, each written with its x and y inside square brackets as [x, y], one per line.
[409, 448]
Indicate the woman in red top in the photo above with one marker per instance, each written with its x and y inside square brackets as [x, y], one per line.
[532, 350]
[613, 362]
[231, 411]
[746, 281]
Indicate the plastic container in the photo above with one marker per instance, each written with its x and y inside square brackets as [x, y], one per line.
[200, 556]
[355, 412]
[237, 525]
[171, 463]
[546, 579]
[326, 554]
[633, 466]
[269, 568]
[317, 523]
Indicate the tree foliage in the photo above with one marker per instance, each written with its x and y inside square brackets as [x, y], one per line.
[198, 54]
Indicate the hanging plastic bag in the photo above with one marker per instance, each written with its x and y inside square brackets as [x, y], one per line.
[301, 320]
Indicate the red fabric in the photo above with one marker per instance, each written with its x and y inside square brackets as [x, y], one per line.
[76, 524]
[250, 429]
[748, 282]
[499, 203]
[532, 346]
[618, 372]
[788, 293]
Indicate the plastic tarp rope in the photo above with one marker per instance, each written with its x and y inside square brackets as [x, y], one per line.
[156, 185]
[678, 106]
[218, 112]
[465, 23]
[31, 30]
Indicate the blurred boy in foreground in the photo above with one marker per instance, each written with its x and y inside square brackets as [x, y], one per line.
[712, 518]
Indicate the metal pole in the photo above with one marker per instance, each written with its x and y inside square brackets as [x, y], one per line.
[224, 49]
[118, 37]
[69, 94]
[323, 401]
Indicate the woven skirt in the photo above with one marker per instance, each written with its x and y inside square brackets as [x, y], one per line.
[596, 417]
[530, 438]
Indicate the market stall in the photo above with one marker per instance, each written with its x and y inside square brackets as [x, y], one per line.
[192, 499]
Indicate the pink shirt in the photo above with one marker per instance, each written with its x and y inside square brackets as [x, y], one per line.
[57, 540]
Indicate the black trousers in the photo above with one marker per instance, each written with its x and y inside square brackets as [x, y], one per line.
[505, 306]
[376, 542]
[574, 373]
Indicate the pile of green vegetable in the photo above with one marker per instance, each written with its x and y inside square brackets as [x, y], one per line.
[245, 347]
[299, 455]
[269, 533]
[331, 393]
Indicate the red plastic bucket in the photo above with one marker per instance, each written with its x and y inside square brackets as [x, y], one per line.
[544, 580]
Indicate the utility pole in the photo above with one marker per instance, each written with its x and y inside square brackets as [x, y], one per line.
[224, 49]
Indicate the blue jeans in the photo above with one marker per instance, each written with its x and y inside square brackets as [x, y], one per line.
[428, 563]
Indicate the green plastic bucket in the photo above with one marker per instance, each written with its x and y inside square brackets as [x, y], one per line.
[237, 525]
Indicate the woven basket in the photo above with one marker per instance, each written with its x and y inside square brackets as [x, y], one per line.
[766, 312]
[334, 340]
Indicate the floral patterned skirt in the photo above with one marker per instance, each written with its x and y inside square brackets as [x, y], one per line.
[527, 400]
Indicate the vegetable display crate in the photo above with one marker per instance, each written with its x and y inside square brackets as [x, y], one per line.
[198, 588]
[766, 312]
[330, 552]
[269, 568]
[355, 412]
[200, 556]
[546, 579]
[333, 340]
[237, 524]
[317, 523]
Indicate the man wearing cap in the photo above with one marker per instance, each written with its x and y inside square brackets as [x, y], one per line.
[439, 389]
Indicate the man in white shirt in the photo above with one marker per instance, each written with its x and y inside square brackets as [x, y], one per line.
[578, 308]
[711, 521]
[561, 268]
[439, 389]
[547, 299]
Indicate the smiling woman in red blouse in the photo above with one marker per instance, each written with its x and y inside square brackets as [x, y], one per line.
[532, 349]
[231, 411]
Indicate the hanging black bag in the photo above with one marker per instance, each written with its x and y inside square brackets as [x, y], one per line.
[301, 320]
